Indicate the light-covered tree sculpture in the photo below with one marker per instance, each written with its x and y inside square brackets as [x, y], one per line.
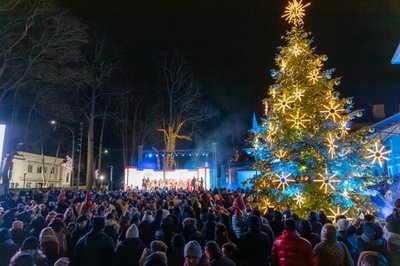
[308, 158]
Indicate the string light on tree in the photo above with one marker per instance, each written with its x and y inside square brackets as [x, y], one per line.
[332, 110]
[298, 120]
[296, 50]
[298, 94]
[298, 197]
[281, 154]
[331, 145]
[283, 180]
[295, 12]
[344, 129]
[337, 212]
[314, 76]
[284, 103]
[378, 154]
[326, 181]
[265, 205]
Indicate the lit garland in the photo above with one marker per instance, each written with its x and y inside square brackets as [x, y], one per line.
[378, 154]
[281, 154]
[283, 180]
[327, 181]
[295, 12]
[332, 110]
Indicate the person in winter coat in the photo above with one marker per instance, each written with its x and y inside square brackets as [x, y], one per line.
[129, 251]
[304, 229]
[31, 246]
[394, 218]
[254, 245]
[230, 250]
[226, 220]
[277, 224]
[190, 231]
[153, 227]
[23, 259]
[238, 222]
[372, 258]
[112, 227]
[7, 247]
[176, 254]
[144, 226]
[215, 256]
[37, 225]
[290, 249]
[265, 225]
[370, 240]
[18, 233]
[166, 231]
[323, 218]
[343, 225]
[316, 226]
[331, 252]
[95, 248]
[221, 234]
[82, 227]
[49, 245]
[209, 227]
[58, 228]
[194, 256]
[393, 245]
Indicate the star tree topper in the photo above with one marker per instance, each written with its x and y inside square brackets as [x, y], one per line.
[294, 12]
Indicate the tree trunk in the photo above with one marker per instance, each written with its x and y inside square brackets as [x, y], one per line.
[90, 145]
[169, 156]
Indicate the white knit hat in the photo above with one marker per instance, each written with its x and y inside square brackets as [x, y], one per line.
[132, 232]
[342, 224]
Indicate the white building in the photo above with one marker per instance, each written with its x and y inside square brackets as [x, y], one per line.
[30, 170]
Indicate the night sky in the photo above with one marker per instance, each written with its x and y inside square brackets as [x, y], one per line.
[230, 45]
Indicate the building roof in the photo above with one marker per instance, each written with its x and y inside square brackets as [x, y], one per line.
[396, 56]
[387, 127]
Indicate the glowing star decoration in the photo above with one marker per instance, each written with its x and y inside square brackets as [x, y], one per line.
[331, 145]
[298, 94]
[295, 11]
[265, 205]
[283, 181]
[314, 76]
[378, 154]
[298, 120]
[327, 181]
[337, 213]
[283, 103]
[332, 110]
[298, 197]
[296, 50]
[344, 129]
[281, 154]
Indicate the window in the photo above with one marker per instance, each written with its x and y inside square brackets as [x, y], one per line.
[28, 184]
[67, 178]
[39, 170]
[45, 170]
[52, 171]
[30, 168]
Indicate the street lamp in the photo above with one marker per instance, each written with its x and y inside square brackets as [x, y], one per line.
[101, 180]
[54, 122]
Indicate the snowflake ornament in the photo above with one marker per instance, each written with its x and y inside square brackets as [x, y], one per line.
[284, 103]
[298, 120]
[331, 145]
[295, 11]
[378, 154]
[298, 197]
[332, 110]
[283, 181]
[326, 181]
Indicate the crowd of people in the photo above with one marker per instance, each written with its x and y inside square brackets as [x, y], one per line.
[183, 228]
[190, 184]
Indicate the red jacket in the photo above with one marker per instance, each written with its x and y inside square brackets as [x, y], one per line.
[291, 250]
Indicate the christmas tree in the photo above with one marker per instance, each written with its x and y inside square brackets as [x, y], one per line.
[308, 158]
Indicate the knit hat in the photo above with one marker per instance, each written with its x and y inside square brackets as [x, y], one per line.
[57, 225]
[178, 241]
[64, 261]
[254, 223]
[193, 248]
[157, 245]
[30, 243]
[148, 216]
[23, 259]
[132, 232]
[290, 224]
[156, 259]
[371, 258]
[48, 235]
[99, 223]
[167, 222]
[372, 231]
[17, 225]
[329, 233]
[4, 235]
[342, 224]
[189, 221]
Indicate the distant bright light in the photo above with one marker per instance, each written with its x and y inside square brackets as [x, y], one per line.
[101, 177]
[105, 151]
[150, 155]
[53, 122]
[2, 133]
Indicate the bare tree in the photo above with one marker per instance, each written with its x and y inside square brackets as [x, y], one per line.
[38, 39]
[181, 108]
